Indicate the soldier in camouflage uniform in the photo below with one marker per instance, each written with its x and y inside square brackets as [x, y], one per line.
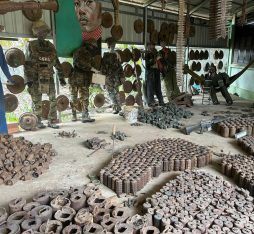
[41, 57]
[83, 68]
[112, 68]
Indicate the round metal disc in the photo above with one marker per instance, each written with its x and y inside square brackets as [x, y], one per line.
[11, 102]
[117, 32]
[45, 106]
[128, 70]
[138, 99]
[127, 86]
[122, 97]
[107, 20]
[138, 26]
[130, 100]
[136, 85]
[62, 103]
[67, 69]
[28, 121]
[32, 14]
[15, 57]
[18, 86]
[99, 100]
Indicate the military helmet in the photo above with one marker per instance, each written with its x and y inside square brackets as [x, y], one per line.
[39, 26]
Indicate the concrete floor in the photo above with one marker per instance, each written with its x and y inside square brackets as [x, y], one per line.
[72, 165]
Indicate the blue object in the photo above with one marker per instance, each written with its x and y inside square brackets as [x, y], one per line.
[5, 69]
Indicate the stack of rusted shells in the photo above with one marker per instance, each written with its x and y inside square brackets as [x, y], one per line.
[240, 168]
[197, 202]
[132, 169]
[247, 144]
[77, 210]
[231, 126]
[22, 160]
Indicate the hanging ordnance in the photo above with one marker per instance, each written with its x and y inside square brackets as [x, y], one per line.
[196, 55]
[18, 86]
[28, 121]
[9, 6]
[198, 66]
[116, 30]
[221, 54]
[45, 107]
[127, 86]
[193, 66]
[136, 85]
[62, 103]
[206, 68]
[150, 26]
[192, 55]
[138, 70]
[32, 14]
[14, 57]
[128, 70]
[216, 55]
[136, 54]
[154, 36]
[122, 97]
[107, 20]
[220, 65]
[130, 100]
[99, 100]
[127, 55]
[138, 99]
[171, 38]
[11, 102]
[206, 55]
[97, 61]
[67, 69]
[139, 26]
[201, 55]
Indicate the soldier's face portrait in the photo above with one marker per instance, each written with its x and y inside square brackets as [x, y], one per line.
[88, 13]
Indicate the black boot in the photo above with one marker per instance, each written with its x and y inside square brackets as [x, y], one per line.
[86, 118]
[116, 109]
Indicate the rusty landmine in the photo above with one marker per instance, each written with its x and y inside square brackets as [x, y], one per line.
[231, 126]
[132, 169]
[197, 202]
[247, 144]
[240, 168]
[95, 214]
[22, 160]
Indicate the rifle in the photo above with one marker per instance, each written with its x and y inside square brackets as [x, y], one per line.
[204, 125]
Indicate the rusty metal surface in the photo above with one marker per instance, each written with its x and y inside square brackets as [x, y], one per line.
[11, 102]
[231, 126]
[197, 202]
[18, 86]
[22, 160]
[132, 169]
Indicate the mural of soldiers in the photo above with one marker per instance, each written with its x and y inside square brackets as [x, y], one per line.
[219, 82]
[153, 82]
[168, 70]
[81, 79]
[111, 67]
[41, 58]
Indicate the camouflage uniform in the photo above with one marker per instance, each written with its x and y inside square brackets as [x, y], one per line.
[41, 57]
[168, 71]
[81, 79]
[112, 68]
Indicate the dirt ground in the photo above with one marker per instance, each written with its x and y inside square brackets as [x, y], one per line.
[72, 165]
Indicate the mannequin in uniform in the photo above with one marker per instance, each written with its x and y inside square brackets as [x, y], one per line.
[111, 67]
[41, 58]
[83, 68]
